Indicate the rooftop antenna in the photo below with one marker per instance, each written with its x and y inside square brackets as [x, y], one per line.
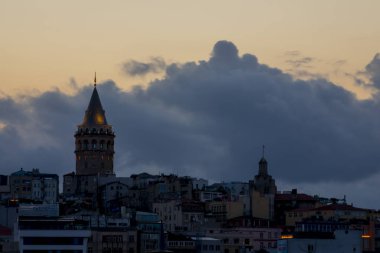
[95, 80]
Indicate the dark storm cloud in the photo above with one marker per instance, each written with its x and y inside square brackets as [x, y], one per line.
[373, 71]
[136, 68]
[369, 77]
[209, 119]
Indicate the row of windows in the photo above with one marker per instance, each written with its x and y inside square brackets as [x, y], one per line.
[37, 185]
[112, 250]
[53, 241]
[28, 189]
[116, 188]
[321, 227]
[94, 131]
[211, 247]
[218, 209]
[47, 193]
[109, 250]
[262, 246]
[181, 244]
[94, 145]
[247, 240]
[108, 157]
[24, 189]
[294, 214]
[52, 251]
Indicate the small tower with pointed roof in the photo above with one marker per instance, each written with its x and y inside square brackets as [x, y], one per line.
[264, 183]
[262, 191]
[94, 140]
[263, 165]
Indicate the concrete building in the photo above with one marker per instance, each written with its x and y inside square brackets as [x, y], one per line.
[345, 241]
[246, 239]
[224, 210]
[41, 234]
[118, 240]
[143, 180]
[235, 190]
[170, 187]
[325, 213]
[39, 210]
[181, 215]
[179, 243]
[150, 230]
[148, 189]
[8, 215]
[208, 244]
[111, 196]
[205, 195]
[5, 188]
[34, 186]
[292, 200]
[7, 244]
[199, 183]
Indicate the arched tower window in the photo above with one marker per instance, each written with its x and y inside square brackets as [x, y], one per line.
[85, 144]
[108, 145]
[94, 144]
[101, 145]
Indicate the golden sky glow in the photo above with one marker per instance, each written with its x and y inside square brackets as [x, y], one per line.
[45, 43]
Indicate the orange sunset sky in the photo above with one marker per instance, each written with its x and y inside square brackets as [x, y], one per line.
[45, 44]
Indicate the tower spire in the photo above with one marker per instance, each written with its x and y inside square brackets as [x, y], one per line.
[95, 80]
[263, 164]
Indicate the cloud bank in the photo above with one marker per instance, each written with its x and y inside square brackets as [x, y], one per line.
[137, 68]
[208, 119]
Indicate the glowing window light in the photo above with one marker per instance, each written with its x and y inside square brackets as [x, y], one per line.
[287, 236]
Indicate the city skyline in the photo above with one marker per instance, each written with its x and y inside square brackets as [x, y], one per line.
[297, 87]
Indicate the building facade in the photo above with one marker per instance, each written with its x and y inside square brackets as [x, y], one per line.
[40, 234]
[34, 186]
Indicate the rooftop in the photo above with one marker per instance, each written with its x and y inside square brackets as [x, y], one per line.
[290, 196]
[95, 115]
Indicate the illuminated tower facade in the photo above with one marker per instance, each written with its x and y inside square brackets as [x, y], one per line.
[94, 141]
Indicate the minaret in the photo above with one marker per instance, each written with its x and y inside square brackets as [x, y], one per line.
[263, 165]
[94, 140]
[262, 191]
[264, 183]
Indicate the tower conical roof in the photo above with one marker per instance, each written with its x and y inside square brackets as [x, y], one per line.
[262, 160]
[95, 115]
